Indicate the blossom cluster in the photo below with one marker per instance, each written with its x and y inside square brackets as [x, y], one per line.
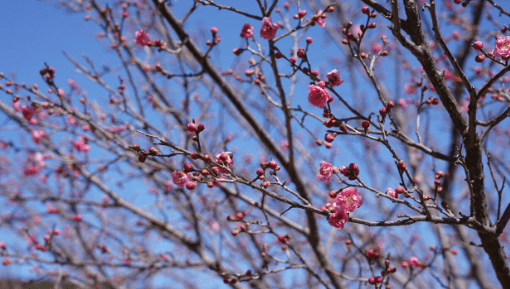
[347, 201]
[318, 95]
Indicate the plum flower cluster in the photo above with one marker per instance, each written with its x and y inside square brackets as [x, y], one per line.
[326, 170]
[142, 37]
[318, 95]
[247, 31]
[269, 29]
[350, 172]
[502, 49]
[226, 159]
[181, 179]
[347, 201]
[334, 78]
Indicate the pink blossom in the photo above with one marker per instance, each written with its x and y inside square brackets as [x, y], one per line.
[409, 89]
[27, 111]
[31, 170]
[268, 30]
[350, 199]
[391, 192]
[70, 119]
[402, 103]
[81, 145]
[318, 96]
[356, 30]
[502, 49]
[325, 171]
[225, 159]
[215, 226]
[477, 45]
[179, 178]
[464, 105]
[284, 145]
[376, 47]
[16, 105]
[339, 217]
[37, 135]
[413, 261]
[247, 31]
[320, 20]
[334, 78]
[142, 37]
[34, 164]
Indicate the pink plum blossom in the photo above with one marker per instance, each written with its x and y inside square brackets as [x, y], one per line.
[16, 105]
[37, 135]
[318, 96]
[247, 31]
[325, 171]
[334, 78]
[391, 193]
[27, 111]
[413, 261]
[179, 178]
[268, 30]
[225, 159]
[82, 144]
[350, 199]
[376, 47]
[502, 49]
[339, 217]
[402, 103]
[320, 20]
[142, 37]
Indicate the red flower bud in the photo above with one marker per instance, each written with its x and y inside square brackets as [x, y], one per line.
[480, 57]
[188, 167]
[477, 45]
[401, 165]
[365, 125]
[191, 127]
[382, 112]
[191, 185]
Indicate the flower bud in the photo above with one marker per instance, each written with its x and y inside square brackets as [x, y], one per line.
[188, 167]
[480, 57]
[365, 125]
[191, 127]
[477, 45]
[191, 185]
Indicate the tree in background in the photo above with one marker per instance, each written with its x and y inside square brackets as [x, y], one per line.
[339, 144]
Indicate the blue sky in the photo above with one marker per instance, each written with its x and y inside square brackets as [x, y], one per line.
[34, 32]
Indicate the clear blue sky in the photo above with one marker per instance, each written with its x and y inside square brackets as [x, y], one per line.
[34, 32]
